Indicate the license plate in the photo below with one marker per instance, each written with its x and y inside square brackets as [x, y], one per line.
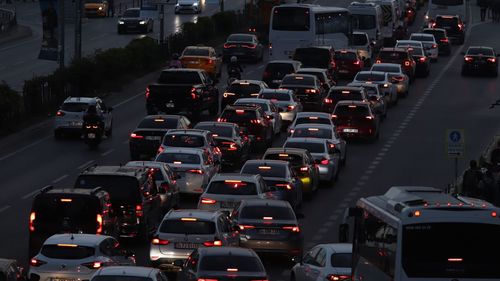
[350, 130]
[186, 245]
[228, 204]
[268, 231]
[91, 135]
[170, 105]
[156, 138]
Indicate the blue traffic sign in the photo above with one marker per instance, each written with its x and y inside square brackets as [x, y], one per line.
[455, 136]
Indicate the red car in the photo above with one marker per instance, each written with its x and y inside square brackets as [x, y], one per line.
[355, 119]
[348, 62]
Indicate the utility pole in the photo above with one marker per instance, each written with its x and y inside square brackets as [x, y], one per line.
[61, 34]
[78, 29]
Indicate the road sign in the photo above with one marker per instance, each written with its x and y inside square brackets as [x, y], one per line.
[455, 143]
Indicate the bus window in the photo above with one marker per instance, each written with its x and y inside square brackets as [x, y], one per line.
[332, 23]
[291, 19]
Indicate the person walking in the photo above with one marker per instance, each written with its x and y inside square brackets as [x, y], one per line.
[483, 7]
[471, 179]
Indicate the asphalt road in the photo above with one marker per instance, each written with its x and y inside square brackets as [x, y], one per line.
[411, 150]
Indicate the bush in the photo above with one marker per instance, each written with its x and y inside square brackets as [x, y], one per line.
[10, 108]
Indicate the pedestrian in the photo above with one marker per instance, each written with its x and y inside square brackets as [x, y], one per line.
[111, 8]
[487, 187]
[483, 6]
[471, 179]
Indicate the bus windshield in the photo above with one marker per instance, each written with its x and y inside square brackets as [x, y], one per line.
[448, 2]
[291, 19]
[332, 22]
[451, 250]
[364, 22]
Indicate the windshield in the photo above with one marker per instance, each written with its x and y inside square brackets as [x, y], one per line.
[158, 123]
[275, 96]
[416, 51]
[422, 38]
[364, 22]
[311, 146]
[341, 260]
[389, 55]
[51, 208]
[222, 263]
[232, 187]
[283, 68]
[291, 19]
[369, 77]
[131, 14]
[217, 131]
[123, 190]
[264, 106]
[298, 80]
[177, 140]
[386, 68]
[345, 56]
[179, 77]
[451, 250]
[293, 159]
[339, 95]
[258, 212]
[312, 57]
[440, 21]
[309, 120]
[196, 52]
[359, 39]
[318, 75]
[240, 38]
[351, 110]
[70, 252]
[187, 227]
[265, 169]
[74, 106]
[438, 34]
[333, 22]
[480, 51]
[320, 133]
[178, 158]
[120, 278]
[244, 90]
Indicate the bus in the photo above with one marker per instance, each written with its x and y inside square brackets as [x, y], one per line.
[303, 25]
[446, 7]
[414, 233]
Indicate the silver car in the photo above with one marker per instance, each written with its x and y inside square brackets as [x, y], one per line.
[76, 257]
[310, 118]
[128, 273]
[182, 231]
[325, 155]
[226, 191]
[69, 117]
[191, 138]
[269, 109]
[397, 76]
[286, 101]
[382, 80]
[193, 166]
[430, 45]
[193, 6]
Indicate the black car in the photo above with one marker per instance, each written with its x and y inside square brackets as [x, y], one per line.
[322, 74]
[133, 20]
[277, 69]
[242, 89]
[339, 93]
[453, 25]
[480, 60]
[307, 88]
[232, 142]
[71, 210]
[317, 57]
[146, 137]
[441, 38]
[134, 196]
[243, 46]
[423, 63]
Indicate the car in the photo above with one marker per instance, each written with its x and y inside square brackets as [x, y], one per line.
[63, 210]
[253, 120]
[269, 109]
[95, 8]
[382, 80]
[182, 231]
[325, 262]
[166, 183]
[76, 256]
[194, 6]
[310, 118]
[429, 42]
[288, 104]
[397, 76]
[322, 75]
[192, 138]
[280, 179]
[243, 46]
[269, 226]
[230, 139]
[301, 161]
[453, 25]
[134, 197]
[11, 271]
[226, 190]
[306, 87]
[326, 156]
[317, 57]
[133, 19]
[480, 60]
[69, 117]
[355, 119]
[441, 36]
[126, 273]
[202, 57]
[322, 131]
[423, 68]
[193, 166]
[277, 69]
[339, 93]
[147, 136]
[349, 62]
[242, 89]
[378, 101]
[361, 42]
[217, 263]
[400, 56]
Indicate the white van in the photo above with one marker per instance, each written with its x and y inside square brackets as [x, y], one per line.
[368, 17]
[390, 17]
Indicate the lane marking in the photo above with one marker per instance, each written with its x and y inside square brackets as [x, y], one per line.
[328, 224]
[107, 152]
[5, 208]
[60, 178]
[85, 164]
[128, 100]
[24, 148]
[29, 195]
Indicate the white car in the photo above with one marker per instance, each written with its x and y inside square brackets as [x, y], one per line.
[409, 43]
[193, 6]
[269, 109]
[128, 273]
[361, 42]
[383, 81]
[193, 166]
[397, 75]
[429, 42]
[286, 101]
[76, 257]
[324, 262]
[69, 117]
[308, 117]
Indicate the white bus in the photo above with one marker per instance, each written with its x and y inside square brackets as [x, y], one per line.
[303, 25]
[446, 7]
[367, 17]
[420, 233]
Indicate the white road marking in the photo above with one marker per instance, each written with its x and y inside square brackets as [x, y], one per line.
[60, 178]
[328, 224]
[85, 164]
[29, 195]
[381, 154]
[343, 205]
[371, 167]
[369, 171]
[5, 208]
[107, 152]
[360, 183]
[128, 100]
[352, 194]
[260, 67]
[365, 177]
[24, 148]
[335, 214]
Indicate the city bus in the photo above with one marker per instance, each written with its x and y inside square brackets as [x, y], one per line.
[446, 7]
[414, 233]
[303, 25]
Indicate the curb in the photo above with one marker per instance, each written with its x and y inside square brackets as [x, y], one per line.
[17, 33]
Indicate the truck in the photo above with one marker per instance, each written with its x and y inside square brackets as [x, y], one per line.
[182, 90]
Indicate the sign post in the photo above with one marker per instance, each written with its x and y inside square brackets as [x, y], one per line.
[455, 147]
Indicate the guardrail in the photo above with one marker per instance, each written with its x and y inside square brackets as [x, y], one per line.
[7, 19]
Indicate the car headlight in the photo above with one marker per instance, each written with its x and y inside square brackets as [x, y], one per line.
[100, 8]
[177, 5]
[195, 4]
[121, 22]
[142, 22]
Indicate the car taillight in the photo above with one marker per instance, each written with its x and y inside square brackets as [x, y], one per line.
[232, 146]
[356, 62]
[93, 264]
[337, 277]
[468, 59]
[207, 279]
[369, 117]
[324, 161]
[285, 185]
[36, 262]
[460, 27]
[208, 201]
[492, 60]
[422, 59]
[158, 241]
[407, 63]
[60, 113]
[327, 100]
[138, 211]
[147, 92]
[249, 46]
[311, 91]
[194, 95]
[227, 46]
[291, 107]
[196, 171]
[444, 40]
[32, 221]
[434, 46]
[99, 224]
[259, 280]
[304, 169]
[220, 119]
[433, 24]
[136, 136]
[378, 61]
[210, 61]
[398, 78]
[255, 121]
[216, 243]
[292, 228]
[160, 149]
[243, 227]
[334, 116]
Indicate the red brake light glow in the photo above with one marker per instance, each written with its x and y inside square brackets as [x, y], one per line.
[455, 259]
[287, 186]
[304, 169]
[195, 171]
[291, 107]
[232, 270]
[492, 60]
[99, 223]
[243, 227]
[327, 100]
[422, 59]
[36, 262]
[138, 210]
[407, 63]
[336, 277]
[216, 243]
[136, 136]
[292, 228]
[324, 162]
[468, 59]
[60, 113]
[209, 201]
[147, 92]
[158, 241]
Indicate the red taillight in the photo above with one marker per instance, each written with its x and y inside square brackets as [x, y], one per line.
[138, 211]
[311, 91]
[291, 107]
[493, 60]
[36, 262]
[444, 40]
[93, 264]
[194, 95]
[398, 78]
[422, 59]
[356, 62]
[147, 92]
[196, 171]
[60, 113]
[337, 277]
[334, 116]
[250, 46]
[136, 136]
[227, 46]
[32, 221]
[209, 201]
[434, 46]
[369, 117]
[243, 227]
[210, 61]
[378, 61]
[285, 185]
[232, 146]
[407, 63]
[468, 59]
[433, 24]
[460, 27]
[304, 169]
[292, 228]
[220, 119]
[327, 100]
[207, 279]
[324, 162]
[216, 243]
[160, 149]
[255, 121]
[158, 241]
[99, 224]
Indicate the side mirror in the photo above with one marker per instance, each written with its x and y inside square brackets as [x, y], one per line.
[179, 263]
[343, 233]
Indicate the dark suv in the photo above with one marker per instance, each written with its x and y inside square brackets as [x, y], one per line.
[134, 197]
[317, 57]
[442, 39]
[69, 210]
[400, 56]
[453, 25]
[277, 69]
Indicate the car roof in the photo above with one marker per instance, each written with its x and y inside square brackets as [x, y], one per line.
[136, 271]
[81, 100]
[480, 47]
[89, 240]
[372, 72]
[359, 32]
[353, 102]
[317, 47]
[442, 30]
[146, 164]
[311, 69]
[216, 124]
[314, 140]
[346, 50]
[195, 213]
[362, 84]
[281, 91]
[290, 150]
[393, 49]
[247, 81]
[338, 247]
[267, 161]
[239, 34]
[266, 202]
[314, 125]
[182, 70]
[256, 100]
[198, 47]
[421, 34]
[235, 176]
[387, 64]
[447, 16]
[162, 116]
[114, 170]
[218, 251]
[245, 107]
[134, 8]
[345, 88]
[69, 191]
[301, 75]
[284, 61]
[311, 113]
[180, 149]
[187, 132]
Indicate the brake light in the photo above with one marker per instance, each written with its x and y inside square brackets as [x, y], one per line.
[147, 92]
[468, 59]
[193, 94]
[210, 61]
[99, 223]
[206, 279]
[255, 121]
[422, 59]
[357, 62]
[492, 60]
[292, 228]
[60, 113]
[287, 186]
[324, 161]
[398, 78]
[136, 136]
[220, 119]
[311, 91]
[252, 46]
[407, 63]
[93, 264]
[160, 149]
[232, 146]
[304, 169]
[334, 116]
[36, 262]
[460, 27]
[327, 100]
[444, 40]
[291, 107]
[32, 221]
[227, 46]
[369, 117]
[378, 61]
[209, 201]
[337, 277]
[243, 227]
[138, 211]
[216, 243]
[433, 24]
[434, 46]
[158, 241]
[196, 171]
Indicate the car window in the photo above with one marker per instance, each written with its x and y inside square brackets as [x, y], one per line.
[223, 262]
[217, 131]
[178, 158]
[275, 96]
[265, 169]
[310, 256]
[240, 38]
[188, 226]
[275, 212]
[179, 140]
[345, 56]
[294, 159]
[67, 252]
[312, 133]
[321, 257]
[390, 55]
[385, 68]
[351, 110]
[298, 80]
[480, 51]
[196, 52]
[313, 119]
[238, 116]
[74, 106]
[283, 68]
[123, 190]
[263, 105]
[369, 77]
[341, 260]
[232, 187]
[121, 278]
[158, 123]
[312, 147]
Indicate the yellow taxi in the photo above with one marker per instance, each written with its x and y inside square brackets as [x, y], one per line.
[96, 8]
[202, 57]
